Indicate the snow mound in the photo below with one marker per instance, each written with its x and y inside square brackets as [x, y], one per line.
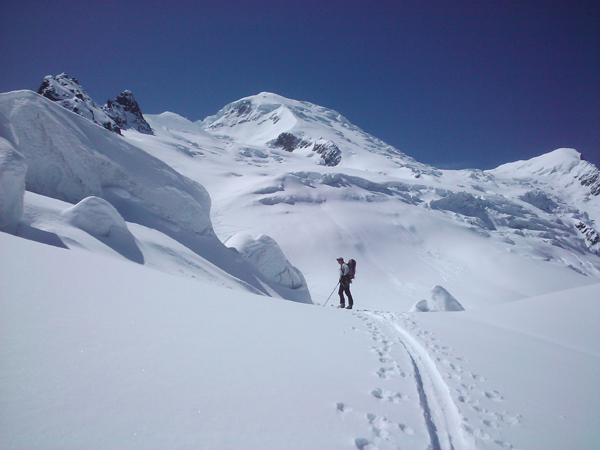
[441, 300]
[96, 216]
[12, 185]
[264, 253]
[561, 160]
[174, 122]
[100, 219]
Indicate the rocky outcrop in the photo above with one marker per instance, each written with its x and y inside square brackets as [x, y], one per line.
[591, 179]
[69, 94]
[116, 115]
[126, 113]
[289, 142]
[590, 236]
[330, 153]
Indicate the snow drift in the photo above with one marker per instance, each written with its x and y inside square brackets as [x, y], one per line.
[264, 253]
[101, 220]
[12, 185]
[441, 300]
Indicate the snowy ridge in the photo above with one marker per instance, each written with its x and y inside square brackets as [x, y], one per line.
[265, 118]
[116, 115]
[67, 92]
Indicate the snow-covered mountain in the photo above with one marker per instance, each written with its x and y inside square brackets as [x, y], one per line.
[116, 115]
[71, 159]
[257, 201]
[410, 226]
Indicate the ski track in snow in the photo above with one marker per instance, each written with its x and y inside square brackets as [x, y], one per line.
[445, 425]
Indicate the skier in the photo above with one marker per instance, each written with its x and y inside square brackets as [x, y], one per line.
[345, 280]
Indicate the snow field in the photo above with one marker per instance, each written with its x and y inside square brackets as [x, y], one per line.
[102, 347]
[134, 358]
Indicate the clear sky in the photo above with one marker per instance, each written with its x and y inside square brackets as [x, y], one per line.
[452, 83]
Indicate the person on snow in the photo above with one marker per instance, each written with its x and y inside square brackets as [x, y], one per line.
[345, 280]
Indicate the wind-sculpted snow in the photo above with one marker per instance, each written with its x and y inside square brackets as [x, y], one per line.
[89, 339]
[441, 300]
[101, 220]
[12, 184]
[70, 159]
[264, 253]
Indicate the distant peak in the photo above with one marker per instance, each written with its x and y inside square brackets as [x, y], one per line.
[126, 113]
[121, 113]
[67, 92]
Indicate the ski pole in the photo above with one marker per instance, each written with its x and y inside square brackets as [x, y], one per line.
[331, 293]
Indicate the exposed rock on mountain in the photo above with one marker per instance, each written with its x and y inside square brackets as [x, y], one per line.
[69, 94]
[269, 119]
[592, 238]
[116, 115]
[126, 113]
[330, 153]
[591, 177]
[289, 142]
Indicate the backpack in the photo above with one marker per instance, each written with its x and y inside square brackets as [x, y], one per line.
[352, 267]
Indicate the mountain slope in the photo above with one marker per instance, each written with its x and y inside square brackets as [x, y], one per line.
[410, 226]
[100, 352]
[70, 158]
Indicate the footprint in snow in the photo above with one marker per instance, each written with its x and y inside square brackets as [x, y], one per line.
[363, 444]
[477, 377]
[394, 397]
[494, 395]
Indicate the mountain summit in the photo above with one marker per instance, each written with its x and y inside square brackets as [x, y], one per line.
[274, 121]
[67, 92]
[116, 115]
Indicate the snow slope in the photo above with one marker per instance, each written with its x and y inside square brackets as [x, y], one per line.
[99, 352]
[410, 226]
[70, 158]
[127, 323]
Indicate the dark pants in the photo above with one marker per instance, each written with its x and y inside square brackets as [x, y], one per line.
[345, 288]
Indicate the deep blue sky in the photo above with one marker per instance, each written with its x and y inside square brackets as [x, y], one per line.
[451, 83]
